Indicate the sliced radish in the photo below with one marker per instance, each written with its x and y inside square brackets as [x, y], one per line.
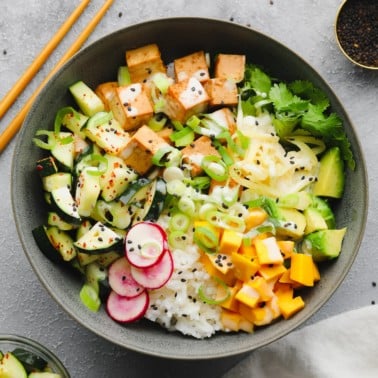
[157, 275]
[145, 244]
[121, 280]
[127, 310]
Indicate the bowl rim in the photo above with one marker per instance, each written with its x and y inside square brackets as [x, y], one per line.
[294, 322]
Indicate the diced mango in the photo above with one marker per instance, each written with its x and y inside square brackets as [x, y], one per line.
[229, 278]
[262, 315]
[283, 291]
[263, 288]
[268, 251]
[272, 271]
[291, 306]
[245, 325]
[302, 269]
[248, 295]
[231, 303]
[230, 241]
[221, 261]
[247, 249]
[255, 217]
[316, 272]
[244, 267]
[246, 312]
[286, 247]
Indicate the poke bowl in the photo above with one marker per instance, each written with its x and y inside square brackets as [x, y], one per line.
[168, 318]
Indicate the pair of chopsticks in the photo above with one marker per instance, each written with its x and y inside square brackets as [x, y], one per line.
[12, 95]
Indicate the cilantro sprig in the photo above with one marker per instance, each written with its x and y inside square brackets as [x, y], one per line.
[296, 105]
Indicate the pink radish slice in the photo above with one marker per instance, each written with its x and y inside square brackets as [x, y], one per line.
[145, 244]
[155, 276]
[121, 280]
[127, 310]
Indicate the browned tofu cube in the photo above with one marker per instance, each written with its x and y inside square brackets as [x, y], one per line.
[230, 66]
[136, 105]
[185, 98]
[193, 154]
[143, 62]
[106, 92]
[140, 149]
[193, 65]
[222, 92]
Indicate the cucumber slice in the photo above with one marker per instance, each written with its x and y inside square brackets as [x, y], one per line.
[44, 374]
[86, 98]
[62, 242]
[46, 166]
[11, 367]
[64, 204]
[107, 133]
[113, 213]
[56, 181]
[63, 151]
[116, 179]
[53, 219]
[87, 192]
[136, 192]
[99, 239]
[74, 121]
[30, 361]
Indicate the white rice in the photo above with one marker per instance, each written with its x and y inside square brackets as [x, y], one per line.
[176, 305]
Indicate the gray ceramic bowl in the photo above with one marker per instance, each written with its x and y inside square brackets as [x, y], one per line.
[98, 63]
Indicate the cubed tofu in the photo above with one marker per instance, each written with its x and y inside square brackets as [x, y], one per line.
[222, 92]
[193, 65]
[193, 154]
[230, 66]
[140, 149]
[136, 103]
[185, 98]
[106, 92]
[143, 62]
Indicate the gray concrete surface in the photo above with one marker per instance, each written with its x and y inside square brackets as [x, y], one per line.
[304, 26]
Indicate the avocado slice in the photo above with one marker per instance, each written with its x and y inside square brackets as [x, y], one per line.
[11, 367]
[314, 220]
[292, 221]
[324, 244]
[331, 178]
[300, 200]
[325, 210]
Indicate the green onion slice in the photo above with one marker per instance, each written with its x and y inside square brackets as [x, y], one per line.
[123, 76]
[202, 295]
[97, 164]
[206, 239]
[223, 220]
[215, 167]
[166, 156]
[89, 297]
[51, 141]
[182, 137]
[177, 239]
[179, 222]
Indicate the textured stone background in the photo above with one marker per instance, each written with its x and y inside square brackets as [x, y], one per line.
[304, 26]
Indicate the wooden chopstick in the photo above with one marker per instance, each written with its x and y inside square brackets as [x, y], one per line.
[24, 80]
[17, 121]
